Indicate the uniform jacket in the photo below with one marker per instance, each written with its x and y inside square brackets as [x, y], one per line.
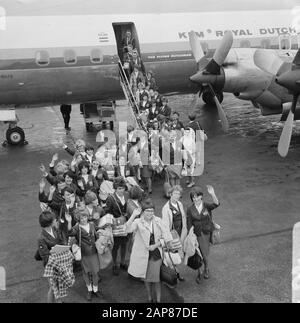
[202, 223]
[46, 242]
[140, 255]
[153, 115]
[88, 239]
[63, 223]
[90, 184]
[158, 101]
[144, 105]
[114, 205]
[165, 111]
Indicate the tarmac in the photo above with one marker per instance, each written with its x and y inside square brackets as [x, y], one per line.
[258, 191]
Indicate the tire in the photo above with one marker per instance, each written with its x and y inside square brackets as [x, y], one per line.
[15, 136]
[208, 98]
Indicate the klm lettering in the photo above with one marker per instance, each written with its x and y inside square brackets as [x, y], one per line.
[184, 34]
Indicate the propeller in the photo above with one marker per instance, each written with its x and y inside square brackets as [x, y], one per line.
[209, 71]
[286, 135]
[270, 62]
[267, 61]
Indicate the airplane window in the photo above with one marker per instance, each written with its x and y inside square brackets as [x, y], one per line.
[96, 56]
[42, 58]
[70, 57]
[245, 44]
[266, 43]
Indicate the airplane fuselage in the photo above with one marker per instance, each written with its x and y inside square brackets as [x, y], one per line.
[74, 58]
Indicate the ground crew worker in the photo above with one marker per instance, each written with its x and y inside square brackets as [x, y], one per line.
[65, 110]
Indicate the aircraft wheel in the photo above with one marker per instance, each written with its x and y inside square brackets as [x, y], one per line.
[15, 136]
[208, 98]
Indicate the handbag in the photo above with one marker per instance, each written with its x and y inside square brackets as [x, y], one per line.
[168, 275]
[118, 228]
[195, 261]
[215, 237]
[37, 256]
[76, 249]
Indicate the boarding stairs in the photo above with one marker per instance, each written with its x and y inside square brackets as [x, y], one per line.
[131, 99]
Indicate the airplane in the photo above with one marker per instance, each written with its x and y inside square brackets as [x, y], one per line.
[54, 52]
[286, 75]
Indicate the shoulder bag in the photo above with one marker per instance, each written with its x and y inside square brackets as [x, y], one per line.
[168, 275]
[76, 248]
[195, 261]
[119, 222]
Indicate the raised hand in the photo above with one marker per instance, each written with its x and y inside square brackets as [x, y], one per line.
[210, 190]
[42, 184]
[52, 189]
[68, 217]
[42, 168]
[55, 158]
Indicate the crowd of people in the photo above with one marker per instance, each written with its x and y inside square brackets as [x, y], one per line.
[98, 203]
[102, 207]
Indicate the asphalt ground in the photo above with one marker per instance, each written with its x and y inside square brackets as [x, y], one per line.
[258, 191]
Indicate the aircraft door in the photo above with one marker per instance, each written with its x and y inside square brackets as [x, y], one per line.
[120, 29]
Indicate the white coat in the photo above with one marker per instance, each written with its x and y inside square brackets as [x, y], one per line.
[167, 218]
[140, 254]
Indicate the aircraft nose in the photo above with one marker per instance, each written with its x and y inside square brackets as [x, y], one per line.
[217, 81]
[202, 78]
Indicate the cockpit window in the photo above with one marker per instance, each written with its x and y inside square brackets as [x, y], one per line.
[42, 58]
[70, 57]
[96, 56]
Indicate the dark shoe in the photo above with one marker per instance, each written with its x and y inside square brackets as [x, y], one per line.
[116, 270]
[180, 278]
[98, 294]
[89, 296]
[124, 267]
[206, 274]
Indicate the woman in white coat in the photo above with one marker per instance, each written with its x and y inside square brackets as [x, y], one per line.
[174, 216]
[146, 256]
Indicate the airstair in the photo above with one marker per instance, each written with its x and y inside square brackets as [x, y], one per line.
[131, 99]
